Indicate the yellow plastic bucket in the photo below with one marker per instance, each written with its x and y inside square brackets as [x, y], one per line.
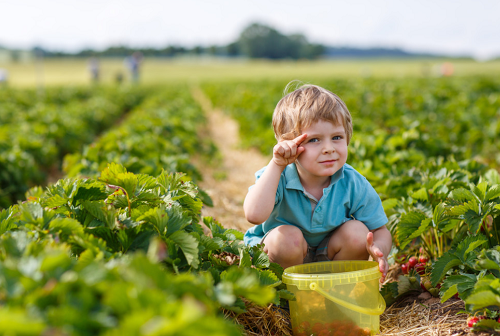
[335, 298]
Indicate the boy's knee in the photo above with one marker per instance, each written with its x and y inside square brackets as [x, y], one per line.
[350, 238]
[355, 234]
[286, 241]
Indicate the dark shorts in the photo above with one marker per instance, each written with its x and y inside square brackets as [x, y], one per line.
[314, 253]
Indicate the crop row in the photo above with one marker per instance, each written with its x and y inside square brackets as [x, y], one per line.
[36, 132]
[161, 133]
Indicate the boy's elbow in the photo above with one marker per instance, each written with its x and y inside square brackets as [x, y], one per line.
[254, 218]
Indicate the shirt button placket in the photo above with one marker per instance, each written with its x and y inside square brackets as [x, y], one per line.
[318, 217]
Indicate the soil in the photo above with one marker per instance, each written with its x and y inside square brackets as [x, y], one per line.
[227, 184]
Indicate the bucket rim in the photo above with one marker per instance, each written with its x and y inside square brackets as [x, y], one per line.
[290, 277]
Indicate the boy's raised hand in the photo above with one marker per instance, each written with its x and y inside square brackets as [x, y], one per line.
[287, 151]
[377, 255]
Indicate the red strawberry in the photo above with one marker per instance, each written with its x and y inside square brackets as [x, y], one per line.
[412, 262]
[420, 268]
[471, 321]
[423, 259]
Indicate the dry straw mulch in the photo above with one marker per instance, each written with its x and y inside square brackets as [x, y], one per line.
[259, 321]
[409, 317]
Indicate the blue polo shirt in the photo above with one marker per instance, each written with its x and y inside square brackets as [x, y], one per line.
[349, 196]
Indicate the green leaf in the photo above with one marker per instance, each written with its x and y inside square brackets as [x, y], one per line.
[492, 193]
[85, 259]
[146, 182]
[480, 190]
[189, 246]
[158, 218]
[487, 325]
[235, 234]
[449, 293]
[245, 260]
[6, 221]
[446, 262]
[117, 175]
[464, 283]
[286, 295]
[421, 195]
[390, 203]
[460, 210]
[55, 201]
[463, 195]
[468, 245]
[260, 259]
[492, 176]
[276, 269]
[90, 191]
[268, 278]
[439, 215]
[211, 244]
[66, 227]
[473, 220]
[56, 260]
[488, 264]
[404, 284]
[390, 292]
[102, 212]
[483, 299]
[411, 225]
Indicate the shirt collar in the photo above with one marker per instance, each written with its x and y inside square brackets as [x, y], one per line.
[293, 180]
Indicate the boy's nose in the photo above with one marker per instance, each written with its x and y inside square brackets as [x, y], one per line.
[328, 149]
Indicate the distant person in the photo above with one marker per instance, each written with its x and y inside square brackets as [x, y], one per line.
[447, 69]
[93, 67]
[133, 63]
[119, 77]
[4, 75]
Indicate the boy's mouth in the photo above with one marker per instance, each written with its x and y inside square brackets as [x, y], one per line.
[328, 161]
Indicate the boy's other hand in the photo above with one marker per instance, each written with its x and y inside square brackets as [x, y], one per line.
[377, 255]
[287, 151]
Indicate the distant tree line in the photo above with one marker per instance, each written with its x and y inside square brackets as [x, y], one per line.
[255, 41]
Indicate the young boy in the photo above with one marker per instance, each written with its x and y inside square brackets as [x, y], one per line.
[310, 205]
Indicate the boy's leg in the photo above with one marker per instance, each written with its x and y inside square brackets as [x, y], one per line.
[348, 242]
[286, 246]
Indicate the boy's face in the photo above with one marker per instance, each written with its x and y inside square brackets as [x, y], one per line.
[325, 150]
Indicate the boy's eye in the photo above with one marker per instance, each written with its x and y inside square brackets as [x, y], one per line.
[313, 140]
[337, 137]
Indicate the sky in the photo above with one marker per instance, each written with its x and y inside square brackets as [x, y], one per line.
[450, 27]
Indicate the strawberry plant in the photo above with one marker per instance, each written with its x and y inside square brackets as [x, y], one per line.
[94, 242]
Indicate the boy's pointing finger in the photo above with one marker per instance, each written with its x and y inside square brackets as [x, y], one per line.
[298, 140]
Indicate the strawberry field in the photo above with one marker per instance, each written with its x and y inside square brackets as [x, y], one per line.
[101, 225]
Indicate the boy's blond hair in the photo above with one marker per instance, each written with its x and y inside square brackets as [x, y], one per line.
[305, 106]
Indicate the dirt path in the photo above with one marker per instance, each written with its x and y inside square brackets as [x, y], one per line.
[228, 183]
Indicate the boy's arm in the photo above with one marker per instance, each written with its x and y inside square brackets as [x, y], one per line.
[379, 244]
[259, 202]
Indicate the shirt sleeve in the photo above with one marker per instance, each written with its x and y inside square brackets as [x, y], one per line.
[368, 208]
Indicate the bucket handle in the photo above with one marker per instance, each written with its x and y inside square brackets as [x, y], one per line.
[369, 311]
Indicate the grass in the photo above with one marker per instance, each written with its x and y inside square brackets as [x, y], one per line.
[56, 72]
